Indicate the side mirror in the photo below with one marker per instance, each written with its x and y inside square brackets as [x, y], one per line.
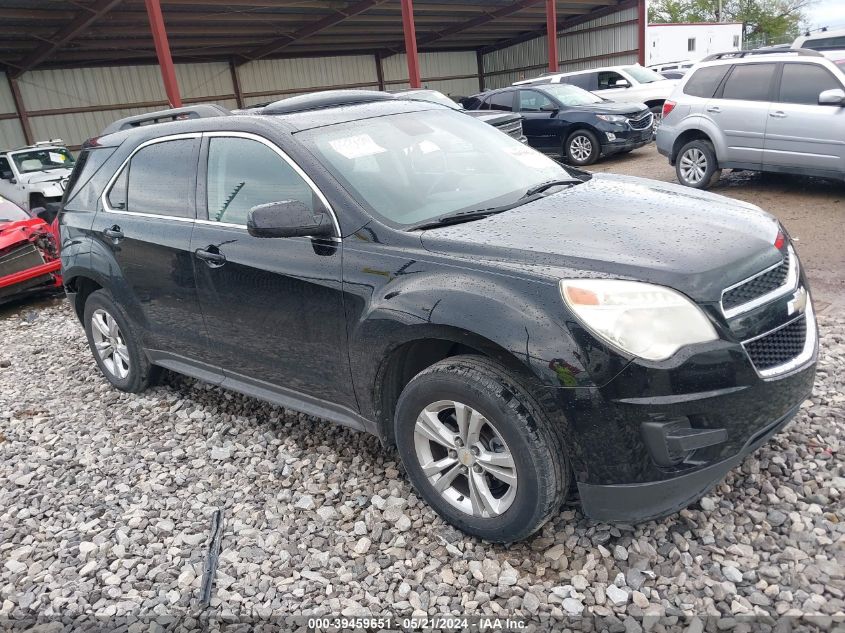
[287, 218]
[549, 108]
[622, 83]
[832, 97]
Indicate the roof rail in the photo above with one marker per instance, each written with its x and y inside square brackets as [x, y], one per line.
[198, 111]
[763, 51]
[325, 99]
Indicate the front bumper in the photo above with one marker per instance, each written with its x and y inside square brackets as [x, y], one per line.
[625, 141]
[633, 503]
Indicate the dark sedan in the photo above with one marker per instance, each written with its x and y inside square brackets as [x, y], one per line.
[565, 120]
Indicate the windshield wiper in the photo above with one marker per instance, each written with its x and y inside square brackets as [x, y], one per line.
[457, 218]
[533, 191]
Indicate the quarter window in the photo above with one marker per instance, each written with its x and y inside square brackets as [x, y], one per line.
[802, 83]
[159, 179]
[705, 81]
[4, 167]
[749, 82]
[243, 173]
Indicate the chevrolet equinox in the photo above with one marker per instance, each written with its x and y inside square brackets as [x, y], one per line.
[517, 329]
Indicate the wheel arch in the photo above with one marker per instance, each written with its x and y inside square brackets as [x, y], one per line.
[80, 287]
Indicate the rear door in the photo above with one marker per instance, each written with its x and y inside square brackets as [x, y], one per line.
[540, 126]
[801, 134]
[273, 307]
[740, 110]
[144, 225]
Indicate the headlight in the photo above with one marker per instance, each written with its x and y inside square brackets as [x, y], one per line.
[652, 322]
[612, 118]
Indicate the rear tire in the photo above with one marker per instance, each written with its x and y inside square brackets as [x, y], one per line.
[115, 346]
[480, 450]
[696, 165]
[582, 148]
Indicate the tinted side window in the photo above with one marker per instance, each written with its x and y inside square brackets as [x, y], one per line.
[4, 165]
[587, 81]
[243, 173]
[501, 101]
[471, 103]
[87, 164]
[802, 83]
[533, 101]
[749, 82]
[162, 179]
[608, 79]
[705, 81]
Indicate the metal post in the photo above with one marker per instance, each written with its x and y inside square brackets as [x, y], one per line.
[411, 43]
[642, 23]
[236, 84]
[379, 71]
[21, 110]
[479, 60]
[165, 61]
[551, 34]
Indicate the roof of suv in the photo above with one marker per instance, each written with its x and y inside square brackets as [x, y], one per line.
[795, 56]
[208, 118]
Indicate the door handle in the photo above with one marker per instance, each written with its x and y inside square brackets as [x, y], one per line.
[777, 115]
[114, 233]
[714, 109]
[213, 258]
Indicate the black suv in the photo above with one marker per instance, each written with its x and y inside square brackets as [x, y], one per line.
[567, 121]
[513, 327]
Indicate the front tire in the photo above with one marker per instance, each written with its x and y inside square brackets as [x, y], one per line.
[582, 148]
[480, 450]
[696, 165]
[115, 346]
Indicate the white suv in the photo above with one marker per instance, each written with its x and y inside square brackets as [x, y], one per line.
[33, 176]
[766, 110]
[617, 83]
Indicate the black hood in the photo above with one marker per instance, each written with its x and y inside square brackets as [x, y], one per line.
[694, 241]
[612, 107]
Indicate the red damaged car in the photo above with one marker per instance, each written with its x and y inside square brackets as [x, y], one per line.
[29, 252]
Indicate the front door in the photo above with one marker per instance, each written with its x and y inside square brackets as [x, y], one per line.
[144, 226]
[273, 307]
[740, 110]
[800, 132]
[539, 124]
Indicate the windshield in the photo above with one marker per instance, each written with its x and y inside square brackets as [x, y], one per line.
[412, 167]
[43, 159]
[10, 212]
[432, 96]
[643, 75]
[570, 95]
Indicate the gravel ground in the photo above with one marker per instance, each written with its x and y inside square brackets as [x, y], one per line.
[106, 499]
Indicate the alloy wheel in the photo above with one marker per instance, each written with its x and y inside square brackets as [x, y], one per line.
[465, 458]
[693, 165]
[110, 344]
[580, 148]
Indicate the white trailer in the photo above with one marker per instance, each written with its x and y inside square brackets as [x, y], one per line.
[690, 41]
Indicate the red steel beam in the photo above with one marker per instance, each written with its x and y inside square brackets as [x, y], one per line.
[21, 110]
[411, 43]
[165, 61]
[311, 29]
[551, 34]
[82, 21]
[641, 30]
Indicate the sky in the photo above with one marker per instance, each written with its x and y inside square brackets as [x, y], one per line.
[829, 13]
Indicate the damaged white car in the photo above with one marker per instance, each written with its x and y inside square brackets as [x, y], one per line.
[33, 176]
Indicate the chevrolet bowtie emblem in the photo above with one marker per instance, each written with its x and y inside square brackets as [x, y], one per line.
[798, 303]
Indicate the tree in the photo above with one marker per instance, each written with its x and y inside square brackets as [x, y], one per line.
[767, 21]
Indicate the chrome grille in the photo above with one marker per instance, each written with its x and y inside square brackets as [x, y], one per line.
[643, 122]
[512, 128]
[757, 286]
[765, 286]
[778, 347]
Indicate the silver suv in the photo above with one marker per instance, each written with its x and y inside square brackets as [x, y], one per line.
[780, 111]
